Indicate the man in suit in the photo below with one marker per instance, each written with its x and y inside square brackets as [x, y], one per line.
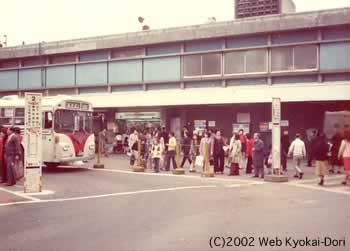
[258, 156]
[12, 153]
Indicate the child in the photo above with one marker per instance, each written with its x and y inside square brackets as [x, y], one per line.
[156, 154]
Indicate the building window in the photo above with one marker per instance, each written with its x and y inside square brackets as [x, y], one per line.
[62, 59]
[246, 61]
[33, 61]
[282, 59]
[206, 64]
[93, 56]
[204, 45]
[335, 56]
[294, 37]
[128, 52]
[256, 61]
[163, 49]
[211, 64]
[336, 32]
[246, 41]
[305, 57]
[192, 65]
[294, 58]
[9, 64]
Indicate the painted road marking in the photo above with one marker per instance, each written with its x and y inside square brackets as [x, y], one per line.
[316, 180]
[179, 176]
[108, 195]
[44, 192]
[24, 196]
[243, 185]
[338, 189]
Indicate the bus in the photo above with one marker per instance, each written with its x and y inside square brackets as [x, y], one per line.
[67, 134]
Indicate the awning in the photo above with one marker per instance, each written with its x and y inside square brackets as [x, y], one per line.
[337, 91]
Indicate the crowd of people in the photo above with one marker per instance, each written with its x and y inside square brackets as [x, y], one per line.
[242, 151]
[10, 154]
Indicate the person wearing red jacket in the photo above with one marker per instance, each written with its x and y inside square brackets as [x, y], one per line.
[3, 172]
[249, 153]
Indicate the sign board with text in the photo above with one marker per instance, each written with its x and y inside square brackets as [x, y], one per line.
[276, 133]
[245, 127]
[32, 142]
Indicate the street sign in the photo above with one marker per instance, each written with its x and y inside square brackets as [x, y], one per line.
[276, 110]
[32, 143]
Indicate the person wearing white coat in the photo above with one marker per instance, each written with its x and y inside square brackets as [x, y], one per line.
[298, 151]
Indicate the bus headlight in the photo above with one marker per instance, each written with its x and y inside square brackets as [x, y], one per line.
[65, 148]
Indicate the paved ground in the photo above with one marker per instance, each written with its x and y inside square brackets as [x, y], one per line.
[116, 209]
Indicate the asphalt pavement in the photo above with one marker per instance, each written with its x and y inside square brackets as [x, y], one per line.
[117, 209]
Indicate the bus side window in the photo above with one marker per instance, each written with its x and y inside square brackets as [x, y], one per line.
[48, 120]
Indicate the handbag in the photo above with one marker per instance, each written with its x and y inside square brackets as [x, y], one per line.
[199, 161]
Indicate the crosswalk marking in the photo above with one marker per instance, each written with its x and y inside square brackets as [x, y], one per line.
[331, 184]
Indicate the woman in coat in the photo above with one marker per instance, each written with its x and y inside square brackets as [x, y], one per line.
[156, 154]
[194, 152]
[235, 154]
[321, 157]
[249, 153]
[3, 171]
[335, 162]
[202, 147]
[344, 153]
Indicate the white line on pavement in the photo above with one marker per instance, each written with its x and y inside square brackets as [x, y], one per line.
[108, 195]
[320, 188]
[24, 196]
[244, 185]
[306, 181]
[44, 192]
[182, 176]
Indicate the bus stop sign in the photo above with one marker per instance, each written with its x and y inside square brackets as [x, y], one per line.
[32, 143]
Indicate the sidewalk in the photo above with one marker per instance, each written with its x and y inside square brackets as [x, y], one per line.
[121, 162]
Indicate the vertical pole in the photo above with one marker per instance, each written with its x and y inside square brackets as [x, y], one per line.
[177, 156]
[206, 172]
[139, 153]
[99, 152]
[206, 158]
[98, 164]
[178, 169]
[138, 167]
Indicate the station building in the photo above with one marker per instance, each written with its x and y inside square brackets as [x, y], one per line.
[218, 75]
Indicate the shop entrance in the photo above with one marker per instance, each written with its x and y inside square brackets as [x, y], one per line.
[139, 120]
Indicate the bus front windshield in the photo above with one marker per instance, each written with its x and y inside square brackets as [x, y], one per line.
[67, 121]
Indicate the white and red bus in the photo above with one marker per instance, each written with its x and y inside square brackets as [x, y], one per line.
[67, 134]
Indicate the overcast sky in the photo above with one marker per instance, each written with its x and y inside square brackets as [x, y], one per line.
[33, 21]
